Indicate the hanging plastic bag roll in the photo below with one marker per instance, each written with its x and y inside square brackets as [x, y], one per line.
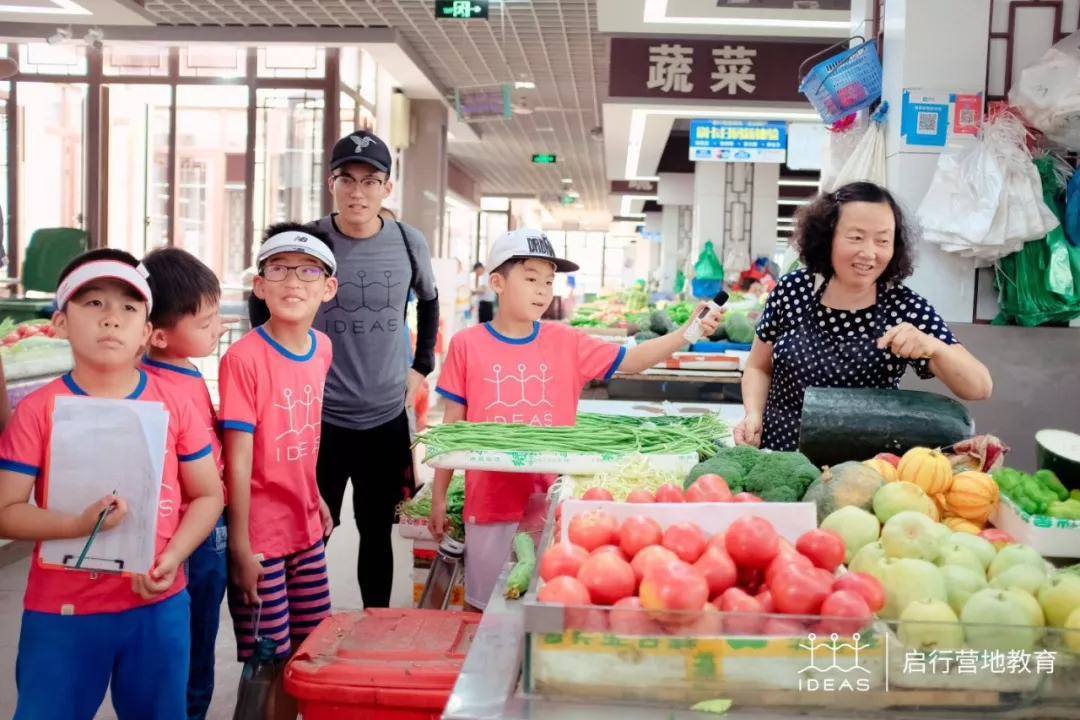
[867, 163]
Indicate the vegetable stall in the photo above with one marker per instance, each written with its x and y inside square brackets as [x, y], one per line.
[31, 356]
[667, 571]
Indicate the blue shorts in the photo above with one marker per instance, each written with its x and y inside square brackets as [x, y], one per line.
[66, 663]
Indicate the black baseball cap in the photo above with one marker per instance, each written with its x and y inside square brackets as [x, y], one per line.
[361, 147]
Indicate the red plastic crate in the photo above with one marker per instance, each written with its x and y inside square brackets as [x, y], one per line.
[380, 664]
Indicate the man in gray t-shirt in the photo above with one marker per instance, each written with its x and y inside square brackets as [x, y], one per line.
[365, 430]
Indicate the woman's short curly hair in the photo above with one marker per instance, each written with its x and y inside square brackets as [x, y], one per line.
[815, 226]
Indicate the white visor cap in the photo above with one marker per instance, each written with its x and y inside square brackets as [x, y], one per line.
[298, 242]
[105, 269]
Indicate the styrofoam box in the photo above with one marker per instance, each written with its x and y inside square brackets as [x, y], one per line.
[1051, 537]
[413, 528]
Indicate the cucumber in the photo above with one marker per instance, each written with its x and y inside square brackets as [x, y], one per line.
[518, 580]
[1059, 451]
[841, 424]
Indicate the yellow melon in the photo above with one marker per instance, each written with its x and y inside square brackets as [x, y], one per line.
[972, 496]
[929, 469]
[884, 468]
[959, 524]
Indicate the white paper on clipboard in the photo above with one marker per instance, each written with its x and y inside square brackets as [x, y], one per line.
[99, 446]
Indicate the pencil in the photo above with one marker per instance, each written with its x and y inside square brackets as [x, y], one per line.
[97, 529]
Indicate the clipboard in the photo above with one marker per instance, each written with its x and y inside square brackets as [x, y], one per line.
[106, 445]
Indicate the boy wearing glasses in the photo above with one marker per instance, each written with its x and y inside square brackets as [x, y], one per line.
[271, 384]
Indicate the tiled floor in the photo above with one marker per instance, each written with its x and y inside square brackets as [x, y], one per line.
[344, 592]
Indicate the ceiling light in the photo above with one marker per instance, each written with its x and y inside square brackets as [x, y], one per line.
[656, 12]
[568, 180]
[545, 129]
[59, 36]
[60, 7]
[798, 183]
[524, 85]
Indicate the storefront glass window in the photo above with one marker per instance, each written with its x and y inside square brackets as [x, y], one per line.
[45, 59]
[211, 140]
[348, 114]
[51, 162]
[289, 178]
[138, 162]
[349, 67]
[220, 61]
[461, 232]
[139, 60]
[291, 61]
[369, 78]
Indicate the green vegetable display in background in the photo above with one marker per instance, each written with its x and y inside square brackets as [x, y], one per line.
[1039, 494]
[420, 506]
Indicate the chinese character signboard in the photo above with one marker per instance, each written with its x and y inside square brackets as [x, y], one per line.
[738, 141]
[715, 69]
[634, 187]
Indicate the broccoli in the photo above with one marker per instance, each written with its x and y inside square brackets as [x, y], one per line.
[745, 456]
[781, 477]
[732, 473]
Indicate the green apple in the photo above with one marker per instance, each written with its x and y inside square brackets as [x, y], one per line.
[909, 534]
[858, 528]
[1059, 596]
[996, 620]
[1031, 606]
[1027, 578]
[1015, 554]
[960, 584]
[906, 580]
[982, 548]
[866, 558]
[956, 554]
[928, 625]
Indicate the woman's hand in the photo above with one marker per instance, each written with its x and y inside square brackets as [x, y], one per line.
[748, 432]
[908, 342]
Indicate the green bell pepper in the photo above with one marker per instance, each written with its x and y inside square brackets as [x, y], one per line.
[1050, 481]
[1028, 498]
[1007, 479]
[1069, 509]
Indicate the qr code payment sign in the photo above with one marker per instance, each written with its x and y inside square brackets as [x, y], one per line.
[967, 117]
[927, 123]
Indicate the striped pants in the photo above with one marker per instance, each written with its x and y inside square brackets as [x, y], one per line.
[295, 594]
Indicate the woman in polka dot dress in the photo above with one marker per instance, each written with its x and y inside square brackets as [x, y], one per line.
[845, 320]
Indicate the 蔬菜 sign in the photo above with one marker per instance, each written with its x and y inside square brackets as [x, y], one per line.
[750, 141]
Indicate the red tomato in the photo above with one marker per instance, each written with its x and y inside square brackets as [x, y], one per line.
[708, 623]
[607, 577]
[751, 579]
[765, 598]
[668, 493]
[686, 540]
[781, 561]
[597, 493]
[784, 627]
[673, 586]
[717, 541]
[709, 488]
[825, 548]
[613, 549]
[590, 619]
[592, 529]
[629, 617]
[745, 497]
[640, 495]
[649, 557]
[562, 560]
[563, 591]
[752, 541]
[844, 604]
[719, 570]
[11, 338]
[797, 590]
[893, 460]
[866, 585]
[786, 546]
[824, 576]
[25, 330]
[750, 619]
[637, 533]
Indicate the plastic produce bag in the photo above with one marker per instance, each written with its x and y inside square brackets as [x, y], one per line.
[843, 138]
[985, 201]
[1040, 284]
[1048, 93]
[867, 163]
[257, 678]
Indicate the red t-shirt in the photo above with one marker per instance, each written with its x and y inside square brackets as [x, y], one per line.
[24, 448]
[277, 396]
[535, 380]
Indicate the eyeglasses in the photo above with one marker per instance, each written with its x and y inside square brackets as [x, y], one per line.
[306, 273]
[368, 185]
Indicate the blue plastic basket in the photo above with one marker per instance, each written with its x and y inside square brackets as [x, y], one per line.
[845, 83]
[704, 288]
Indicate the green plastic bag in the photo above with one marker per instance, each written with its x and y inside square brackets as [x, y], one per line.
[708, 266]
[1040, 283]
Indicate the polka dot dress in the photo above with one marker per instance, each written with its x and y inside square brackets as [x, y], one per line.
[817, 346]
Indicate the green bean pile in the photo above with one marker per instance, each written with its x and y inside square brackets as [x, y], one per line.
[661, 435]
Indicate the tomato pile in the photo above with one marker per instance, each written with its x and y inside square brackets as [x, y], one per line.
[707, 488]
[638, 578]
[25, 330]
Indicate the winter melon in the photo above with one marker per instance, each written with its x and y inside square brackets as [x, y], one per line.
[850, 483]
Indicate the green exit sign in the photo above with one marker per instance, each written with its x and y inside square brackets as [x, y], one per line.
[461, 9]
[544, 159]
